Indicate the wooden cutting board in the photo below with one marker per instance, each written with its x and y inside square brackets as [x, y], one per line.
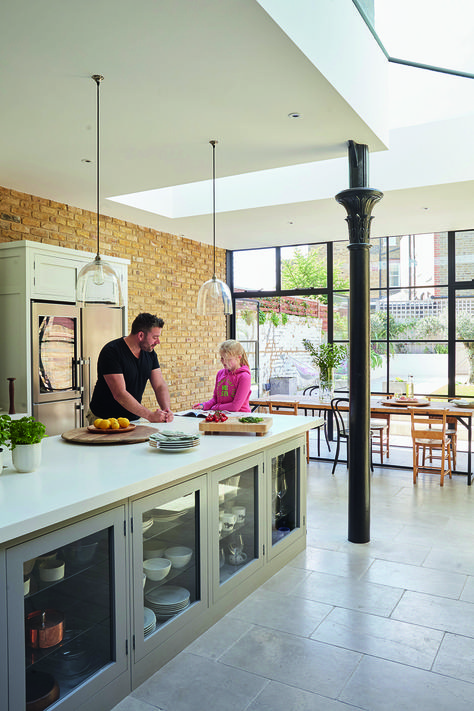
[233, 426]
[83, 436]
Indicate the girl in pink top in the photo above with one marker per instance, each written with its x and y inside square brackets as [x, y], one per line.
[232, 388]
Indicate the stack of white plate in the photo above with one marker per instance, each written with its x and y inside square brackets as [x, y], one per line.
[168, 600]
[149, 624]
[147, 523]
[173, 441]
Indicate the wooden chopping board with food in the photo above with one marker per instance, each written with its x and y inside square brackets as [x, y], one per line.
[109, 431]
[220, 423]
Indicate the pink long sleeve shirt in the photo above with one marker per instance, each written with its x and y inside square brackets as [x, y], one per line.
[231, 391]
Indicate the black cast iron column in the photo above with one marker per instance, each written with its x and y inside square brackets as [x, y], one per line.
[359, 201]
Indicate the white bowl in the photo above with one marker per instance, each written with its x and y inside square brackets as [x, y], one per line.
[153, 549]
[51, 570]
[179, 556]
[156, 568]
[144, 579]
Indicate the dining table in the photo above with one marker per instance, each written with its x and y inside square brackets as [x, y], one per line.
[382, 404]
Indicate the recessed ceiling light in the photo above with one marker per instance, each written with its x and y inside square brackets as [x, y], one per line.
[86, 160]
[425, 208]
[294, 114]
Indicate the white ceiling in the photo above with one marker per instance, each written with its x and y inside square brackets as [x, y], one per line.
[177, 74]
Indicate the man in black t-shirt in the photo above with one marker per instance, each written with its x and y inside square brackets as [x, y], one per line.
[124, 367]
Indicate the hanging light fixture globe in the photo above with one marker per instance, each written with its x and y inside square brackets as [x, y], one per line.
[97, 283]
[214, 295]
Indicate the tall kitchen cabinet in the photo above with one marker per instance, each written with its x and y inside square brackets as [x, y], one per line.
[67, 597]
[30, 272]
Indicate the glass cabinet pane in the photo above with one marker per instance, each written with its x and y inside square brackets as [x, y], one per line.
[285, 495]
[171, 560]
[69, 614]
[238, 540]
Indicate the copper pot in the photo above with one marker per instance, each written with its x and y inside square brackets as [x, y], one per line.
[44, 628]
[42, 690]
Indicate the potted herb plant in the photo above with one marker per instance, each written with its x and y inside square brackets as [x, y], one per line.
[26, 434]
[4, 436]
[326, 357]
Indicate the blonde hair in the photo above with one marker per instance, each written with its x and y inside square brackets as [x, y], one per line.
[234, 348]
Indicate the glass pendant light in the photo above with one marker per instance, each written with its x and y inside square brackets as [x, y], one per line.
[97, 282]
[214, 295]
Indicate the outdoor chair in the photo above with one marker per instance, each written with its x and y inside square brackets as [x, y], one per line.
[431, 442]
[281, 407]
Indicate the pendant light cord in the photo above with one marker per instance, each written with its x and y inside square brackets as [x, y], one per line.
[98, 78]
[213, 144]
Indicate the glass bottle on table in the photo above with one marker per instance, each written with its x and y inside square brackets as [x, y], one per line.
[410, 387]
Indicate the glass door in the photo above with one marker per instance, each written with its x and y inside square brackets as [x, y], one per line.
[288, 516]
[65, 612]
[55, 348]
[237, 520]
[169, 537]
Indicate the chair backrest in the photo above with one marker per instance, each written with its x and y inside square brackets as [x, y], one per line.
[310, 389]
[283, 407]
[429, 425]
[341, 425]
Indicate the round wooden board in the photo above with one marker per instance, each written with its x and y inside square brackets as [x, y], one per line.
[392, 402]
[81, 435]
[97, 430]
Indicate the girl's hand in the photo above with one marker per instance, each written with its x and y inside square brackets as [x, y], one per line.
[198, 406]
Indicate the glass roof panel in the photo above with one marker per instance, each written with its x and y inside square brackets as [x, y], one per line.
[431, 32]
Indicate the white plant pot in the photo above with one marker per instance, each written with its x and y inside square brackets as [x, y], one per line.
[27, 457]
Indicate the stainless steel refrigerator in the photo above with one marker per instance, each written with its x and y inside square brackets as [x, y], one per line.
[66, 342]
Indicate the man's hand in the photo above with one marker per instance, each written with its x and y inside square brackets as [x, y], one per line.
[169, 416]
[158, 416]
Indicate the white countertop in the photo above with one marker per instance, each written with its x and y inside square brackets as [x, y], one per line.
[76, 479]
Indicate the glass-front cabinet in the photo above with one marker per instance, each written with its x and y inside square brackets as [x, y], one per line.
[66, 630]
[169, 545]
[237, 513]
[286, 496]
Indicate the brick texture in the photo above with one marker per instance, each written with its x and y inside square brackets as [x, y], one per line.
[164, 277]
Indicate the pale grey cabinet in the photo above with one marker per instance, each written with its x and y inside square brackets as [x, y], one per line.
[66, 629]
[169, 569]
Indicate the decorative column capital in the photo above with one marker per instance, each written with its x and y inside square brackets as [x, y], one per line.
[359, 203]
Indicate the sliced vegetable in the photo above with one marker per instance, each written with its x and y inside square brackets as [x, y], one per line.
[251, 419]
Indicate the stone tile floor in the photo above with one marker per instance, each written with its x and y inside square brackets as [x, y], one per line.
[385, 625]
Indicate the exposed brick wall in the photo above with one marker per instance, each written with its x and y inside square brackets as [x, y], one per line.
[164, 277]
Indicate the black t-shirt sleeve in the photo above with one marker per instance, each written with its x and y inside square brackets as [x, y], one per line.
[109, 361]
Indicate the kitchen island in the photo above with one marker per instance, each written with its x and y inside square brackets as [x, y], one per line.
[98, 509]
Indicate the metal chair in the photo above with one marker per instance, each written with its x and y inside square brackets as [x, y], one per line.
[431, 441]
[282, 407]
[321, 413]
[343, 430]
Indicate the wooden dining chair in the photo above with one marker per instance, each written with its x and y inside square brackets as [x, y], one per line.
[283, 407]
[431, 442]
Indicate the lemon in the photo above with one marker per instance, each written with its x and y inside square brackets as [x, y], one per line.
[97, 422]
[123, 422]
[114, 425]
[104, 425]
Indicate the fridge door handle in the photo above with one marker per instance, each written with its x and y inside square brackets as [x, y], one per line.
[76, 374]
[78, 415]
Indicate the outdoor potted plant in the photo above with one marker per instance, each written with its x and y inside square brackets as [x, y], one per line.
[4, 436]
[326, 357]
[26, 434]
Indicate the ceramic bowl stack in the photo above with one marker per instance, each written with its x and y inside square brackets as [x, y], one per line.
[167, 601]
[173, 441]
[147, 523]
[149, 623]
